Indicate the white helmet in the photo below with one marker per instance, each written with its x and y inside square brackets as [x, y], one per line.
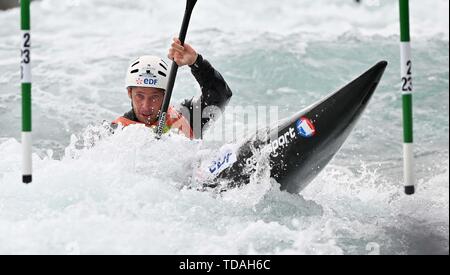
[147, 71]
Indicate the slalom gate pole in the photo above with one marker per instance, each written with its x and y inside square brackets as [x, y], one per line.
[25, 75]
[407, 95]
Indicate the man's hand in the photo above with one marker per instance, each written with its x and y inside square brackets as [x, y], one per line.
[182, 55]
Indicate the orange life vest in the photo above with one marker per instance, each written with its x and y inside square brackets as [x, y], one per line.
[174, 120]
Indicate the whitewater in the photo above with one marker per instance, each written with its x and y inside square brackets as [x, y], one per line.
[94, 192]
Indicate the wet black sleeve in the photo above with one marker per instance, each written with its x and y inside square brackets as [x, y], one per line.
[216, 94]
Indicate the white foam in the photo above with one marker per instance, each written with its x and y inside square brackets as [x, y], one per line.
[125, 194]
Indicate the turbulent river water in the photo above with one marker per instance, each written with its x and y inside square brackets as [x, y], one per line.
[95, 193]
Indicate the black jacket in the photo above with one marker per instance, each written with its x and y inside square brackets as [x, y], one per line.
[201, 111]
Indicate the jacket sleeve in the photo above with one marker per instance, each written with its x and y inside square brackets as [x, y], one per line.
[203, 110]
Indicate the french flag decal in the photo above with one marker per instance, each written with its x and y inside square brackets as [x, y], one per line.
[305, 128]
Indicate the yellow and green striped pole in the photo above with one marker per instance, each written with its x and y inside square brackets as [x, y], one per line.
[407, 89]
[25, 67]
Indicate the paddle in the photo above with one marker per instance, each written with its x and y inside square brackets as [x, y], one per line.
[173, 72]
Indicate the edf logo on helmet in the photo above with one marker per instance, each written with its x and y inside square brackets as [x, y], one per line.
[147, 81]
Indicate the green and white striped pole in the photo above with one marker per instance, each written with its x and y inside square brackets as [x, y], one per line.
[407, 89]
[25, 68]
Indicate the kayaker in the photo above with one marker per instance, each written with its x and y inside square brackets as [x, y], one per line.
[146, 82]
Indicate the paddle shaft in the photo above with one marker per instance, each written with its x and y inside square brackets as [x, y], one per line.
[174, 69]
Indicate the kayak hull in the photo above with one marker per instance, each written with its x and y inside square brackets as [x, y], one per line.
[300, 147]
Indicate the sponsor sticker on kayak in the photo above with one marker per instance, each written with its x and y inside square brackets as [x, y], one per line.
[282, 141]
[224, 160]
[305, 128]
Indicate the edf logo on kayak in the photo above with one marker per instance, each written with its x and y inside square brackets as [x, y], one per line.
[222, 163]
[305, 128]
[218, 164]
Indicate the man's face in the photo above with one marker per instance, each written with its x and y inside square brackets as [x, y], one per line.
[147, 103]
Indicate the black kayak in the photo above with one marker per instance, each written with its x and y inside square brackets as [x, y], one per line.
[298, 148]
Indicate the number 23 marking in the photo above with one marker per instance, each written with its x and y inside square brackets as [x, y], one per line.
[407, 81]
